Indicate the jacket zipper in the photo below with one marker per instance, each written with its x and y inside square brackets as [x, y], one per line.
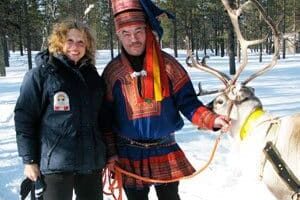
[52, 149]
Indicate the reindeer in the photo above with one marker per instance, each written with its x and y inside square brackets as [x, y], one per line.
[271, 144]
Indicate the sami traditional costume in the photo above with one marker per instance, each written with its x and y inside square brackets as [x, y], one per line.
[146, 96]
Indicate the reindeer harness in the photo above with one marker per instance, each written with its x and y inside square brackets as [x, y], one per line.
[271, 152]
[282, 168]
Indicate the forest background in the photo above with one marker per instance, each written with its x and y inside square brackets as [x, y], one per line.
[26, 24]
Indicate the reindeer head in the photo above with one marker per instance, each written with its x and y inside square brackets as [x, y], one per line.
[238, 99]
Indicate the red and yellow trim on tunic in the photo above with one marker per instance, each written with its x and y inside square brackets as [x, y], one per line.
[136, 107]
[204, 118]
[113, 72]
[164, 167]
[175, 72]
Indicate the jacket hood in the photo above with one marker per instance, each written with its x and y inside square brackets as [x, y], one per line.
[66, 61]
[42, 58]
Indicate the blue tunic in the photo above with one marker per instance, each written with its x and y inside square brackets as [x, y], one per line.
[135, 118]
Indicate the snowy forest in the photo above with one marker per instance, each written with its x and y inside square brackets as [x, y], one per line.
[204, 27]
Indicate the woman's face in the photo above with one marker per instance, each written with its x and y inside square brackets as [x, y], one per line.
[75, 45]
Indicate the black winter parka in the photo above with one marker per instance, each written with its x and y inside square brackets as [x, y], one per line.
[67, 140]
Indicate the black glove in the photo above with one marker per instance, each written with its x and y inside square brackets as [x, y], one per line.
[37, 188]
[25, 188]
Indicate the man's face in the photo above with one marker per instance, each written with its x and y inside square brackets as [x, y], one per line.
[75, 46]
[133, 39]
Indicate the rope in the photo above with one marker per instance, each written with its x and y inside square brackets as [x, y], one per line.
[117, 172]
[114, 180]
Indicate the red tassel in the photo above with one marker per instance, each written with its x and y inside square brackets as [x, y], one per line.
[148, 80]
[148, 90]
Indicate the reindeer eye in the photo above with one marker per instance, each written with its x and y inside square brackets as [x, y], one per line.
[220, 101]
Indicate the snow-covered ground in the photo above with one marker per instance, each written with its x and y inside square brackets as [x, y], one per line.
[224, 179]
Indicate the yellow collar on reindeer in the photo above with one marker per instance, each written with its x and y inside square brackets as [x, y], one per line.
[249, 122]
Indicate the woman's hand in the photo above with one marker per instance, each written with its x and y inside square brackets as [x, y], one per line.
[32, 171]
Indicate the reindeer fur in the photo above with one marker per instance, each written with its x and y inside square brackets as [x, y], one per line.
[286, 138]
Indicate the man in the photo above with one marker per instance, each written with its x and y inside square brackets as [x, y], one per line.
[147, 89]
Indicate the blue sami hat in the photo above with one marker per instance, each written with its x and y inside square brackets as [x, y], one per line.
[152, 12]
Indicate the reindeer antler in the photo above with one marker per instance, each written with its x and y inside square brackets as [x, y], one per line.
[204, 67]
[234, 14]
[203, 92]
[276, 36]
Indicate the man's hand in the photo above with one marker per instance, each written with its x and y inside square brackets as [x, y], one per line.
[32, 171]
[111, 163]
[223, 123]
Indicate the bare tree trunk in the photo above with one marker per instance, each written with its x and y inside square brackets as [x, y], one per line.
[269, 40]
[21, 43]
[204, 36]
[217, 33]
[28, 36]
[175, 30]
[231, 44]
[51, 7]
[175, 38]
[294, 26]
[222, 46]
[222, 43]
[2, 64]
[283, 32]
[238, 48]
[260, 45]
[197, 48]
[5, 50]
[231, 53]
[111, 42]
[13, 45]
[192, 35]
[216, 43]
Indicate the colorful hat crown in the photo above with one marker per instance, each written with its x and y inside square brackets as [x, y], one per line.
[127, 13]
[119, 6]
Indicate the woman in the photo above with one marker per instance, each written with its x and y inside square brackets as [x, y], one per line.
[57, 116]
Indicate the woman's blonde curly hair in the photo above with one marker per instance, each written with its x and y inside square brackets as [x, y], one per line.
[59, 33]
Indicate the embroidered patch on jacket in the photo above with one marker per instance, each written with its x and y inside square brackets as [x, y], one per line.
[61, 102]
